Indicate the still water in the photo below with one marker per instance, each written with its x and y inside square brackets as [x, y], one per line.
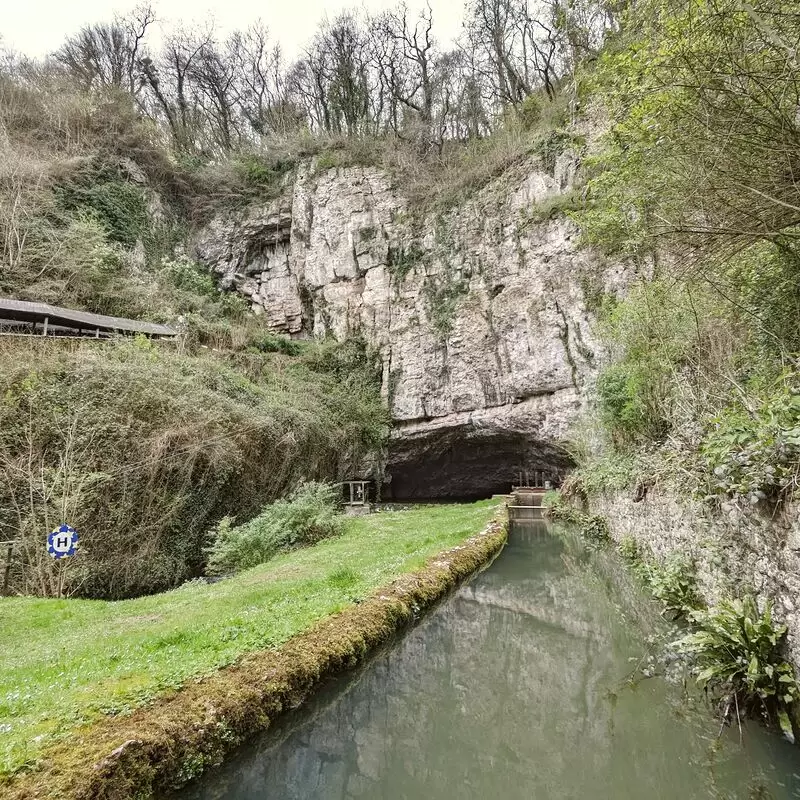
[518, 686]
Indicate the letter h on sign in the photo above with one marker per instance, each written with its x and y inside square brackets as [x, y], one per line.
[62, 542]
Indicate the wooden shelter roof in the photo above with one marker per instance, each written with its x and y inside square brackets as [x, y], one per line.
[23, 311]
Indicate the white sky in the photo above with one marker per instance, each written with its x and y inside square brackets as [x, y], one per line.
[37, 27]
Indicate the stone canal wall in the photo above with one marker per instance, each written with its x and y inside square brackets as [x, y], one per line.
[744, 550]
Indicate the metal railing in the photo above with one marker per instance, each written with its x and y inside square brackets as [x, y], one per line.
[537, 479]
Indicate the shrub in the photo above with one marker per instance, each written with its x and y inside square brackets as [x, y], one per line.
[754, 453]
[609, 471]
[258, 171]
[186, 274]
[628, 549]
[667, 336]
[529, 111]
[737, 656]
[556, 507]
[310, 514]
[672, 583]
[550, 144]
[554, 206]
[268, 342]
[100, 191]
[631, 398]
[593, 527]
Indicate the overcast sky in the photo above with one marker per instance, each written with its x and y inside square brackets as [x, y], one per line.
[37, 27]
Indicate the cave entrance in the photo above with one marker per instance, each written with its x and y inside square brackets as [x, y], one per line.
[466, 463]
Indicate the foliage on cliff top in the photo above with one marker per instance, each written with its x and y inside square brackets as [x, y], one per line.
[109, 658]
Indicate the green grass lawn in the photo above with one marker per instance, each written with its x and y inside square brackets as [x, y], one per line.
[65, 662]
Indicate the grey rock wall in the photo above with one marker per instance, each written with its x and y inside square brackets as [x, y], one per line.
[480, 313]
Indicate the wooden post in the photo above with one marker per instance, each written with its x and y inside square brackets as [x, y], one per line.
[44, 329]
[7, 575]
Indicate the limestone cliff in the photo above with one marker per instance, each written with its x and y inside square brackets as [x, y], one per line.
[481, 313]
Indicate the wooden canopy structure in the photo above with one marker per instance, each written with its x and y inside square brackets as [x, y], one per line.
[42, 319]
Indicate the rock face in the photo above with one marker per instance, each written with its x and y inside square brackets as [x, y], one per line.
[481, 313]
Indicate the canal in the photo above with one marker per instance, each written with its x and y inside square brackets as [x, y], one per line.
[526, 683]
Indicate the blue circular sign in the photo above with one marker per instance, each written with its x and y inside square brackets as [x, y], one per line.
[62, 542]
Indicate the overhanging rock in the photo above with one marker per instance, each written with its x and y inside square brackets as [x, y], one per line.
[475, 455]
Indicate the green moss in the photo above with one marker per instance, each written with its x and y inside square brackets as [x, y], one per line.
[403, 258]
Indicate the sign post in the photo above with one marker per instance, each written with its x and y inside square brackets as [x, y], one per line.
[61, 544]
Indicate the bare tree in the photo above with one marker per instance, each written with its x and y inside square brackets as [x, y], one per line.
[520, 45]
[261, 79]
[107, 54]
[358, 76]
[169, 82]
[334, 80]
[405, 62]
[213, 73]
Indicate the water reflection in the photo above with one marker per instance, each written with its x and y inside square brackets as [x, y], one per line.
[514, 688]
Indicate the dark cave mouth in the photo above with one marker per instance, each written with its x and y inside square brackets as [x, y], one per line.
[467, 463]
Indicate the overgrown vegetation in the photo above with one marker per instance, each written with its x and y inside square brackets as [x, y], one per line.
[735, 650]
[737, 657]
[442, 294]
[142, 450]
[111, 658]
[694, 184]
[671, 581]
[593, 527]
[604, 471]
[113, 152]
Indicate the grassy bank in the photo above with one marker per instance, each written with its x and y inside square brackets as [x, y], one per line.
[69, 663]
